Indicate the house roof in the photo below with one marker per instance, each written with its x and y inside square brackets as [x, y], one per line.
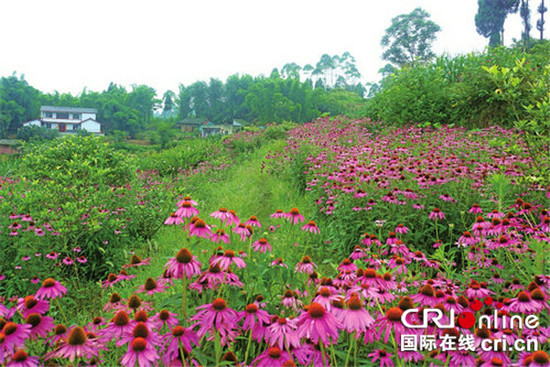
[75, 122]
[67, 109]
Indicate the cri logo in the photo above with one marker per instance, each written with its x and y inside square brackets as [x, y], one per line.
[466, 319]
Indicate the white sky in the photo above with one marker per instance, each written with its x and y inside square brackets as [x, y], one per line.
[69, 45]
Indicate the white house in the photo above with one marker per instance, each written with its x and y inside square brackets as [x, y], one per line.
[67, 120]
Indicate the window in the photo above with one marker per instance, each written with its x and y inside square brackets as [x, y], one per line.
[48, 114]
[76, 116]
[62, 115]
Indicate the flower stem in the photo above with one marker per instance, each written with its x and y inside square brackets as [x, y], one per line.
[323, 353]
[248, 347]
[184, 297]
[349, 349]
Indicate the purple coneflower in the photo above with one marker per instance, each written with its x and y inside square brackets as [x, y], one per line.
[294, 216]
[436, 214]
[136, 261]
[186, 210]
[317, 324]
[51, 289]
[311, 226]
[76, 345]
[179, 337]
[164, 317]
[151, 287]
[119, 326]
[173, 219]
[218, 316]
[40, 325]
[218, 236]
[279, 213]
[140, 351]
[200, 229]
[383, 357]
[21, 359]
[30, 304]
[261, 245]
[272, 357]
[282, 332]
[253, 221]
[305, 266]
[227, 259]
[15, 335]
[183, 264]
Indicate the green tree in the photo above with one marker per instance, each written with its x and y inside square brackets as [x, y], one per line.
[540, 22]
[490, 18]
[409, 38]
[291, 70]
[168, 103]
[525, 14]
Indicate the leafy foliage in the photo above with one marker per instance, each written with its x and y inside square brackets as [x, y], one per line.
[409, 38]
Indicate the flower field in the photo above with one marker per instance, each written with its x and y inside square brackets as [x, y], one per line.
[347, 243]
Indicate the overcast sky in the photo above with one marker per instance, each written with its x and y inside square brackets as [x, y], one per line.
[69, 45]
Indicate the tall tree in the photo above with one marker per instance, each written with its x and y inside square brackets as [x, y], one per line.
[291, 70]
[540, 22]
[409, 38]
[168, 103]
[525, 14]
[490, 18]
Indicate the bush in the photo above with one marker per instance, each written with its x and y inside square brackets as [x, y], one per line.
[453, 90]
[76, 197]
[36, 133]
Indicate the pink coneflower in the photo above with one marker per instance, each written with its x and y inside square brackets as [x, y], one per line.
[227, 259]
[524, 304]
[30, 304]
[151, 287]
[392, 321]
[294, 216]
[279, 213]
[68, 261]
[261, 245]
[82, 260]
[282, 332]
[477, 290]
[311, 226]
[355, 318]
[220, 235]
[140, 329]
[436, 214]
[51, 289]
[233, 219]
[467, 239]
[52, 255]
[21, 359]
[347, 265]
[118, 327]
[40, 325]
[279, 261]
[136, 261]
[216, 315]
[272, 357]
[242, 231]
[183, 264]
[140, 351]
[164, 317]
[222, 214]
[475, 209]
[123, 275]
[253, 221]
[110, 281]
[200, 229]
[425, 296]
[179, 337]
[325, 297]
[317, 324]
[186, 210]
[383, 357]
[76, 345]
[290, 300]
[253, 317]
[401, 229]
[305, 266]
[173, 219]
[538, 359]
[15, 335]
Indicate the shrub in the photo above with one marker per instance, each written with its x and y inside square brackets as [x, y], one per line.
[33, 133]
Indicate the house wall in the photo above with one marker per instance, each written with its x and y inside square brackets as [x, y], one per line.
[86, 116]
[33, 123]
[91, 126]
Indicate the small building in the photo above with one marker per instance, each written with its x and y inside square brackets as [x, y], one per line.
[209, 128]
[190, 125]
[67, 120]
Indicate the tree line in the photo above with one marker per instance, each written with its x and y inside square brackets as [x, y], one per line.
[295, 93]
